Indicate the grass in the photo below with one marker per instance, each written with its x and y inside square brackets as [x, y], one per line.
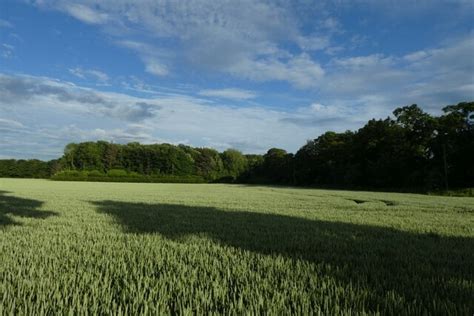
[121, 248]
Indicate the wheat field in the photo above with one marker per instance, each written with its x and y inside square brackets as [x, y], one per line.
[118, 248]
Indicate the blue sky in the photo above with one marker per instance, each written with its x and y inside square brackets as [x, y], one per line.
[249, 75]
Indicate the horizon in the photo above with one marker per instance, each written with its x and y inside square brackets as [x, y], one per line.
[249, 75]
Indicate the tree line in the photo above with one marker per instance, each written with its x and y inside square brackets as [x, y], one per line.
[32, 168]
[412, 150]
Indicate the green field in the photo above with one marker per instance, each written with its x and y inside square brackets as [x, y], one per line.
[70, 247]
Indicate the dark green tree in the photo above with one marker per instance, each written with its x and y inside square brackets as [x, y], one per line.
[234, 163]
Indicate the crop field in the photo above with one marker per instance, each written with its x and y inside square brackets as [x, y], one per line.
[118, 248]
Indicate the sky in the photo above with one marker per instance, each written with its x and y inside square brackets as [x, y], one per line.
[249, 75]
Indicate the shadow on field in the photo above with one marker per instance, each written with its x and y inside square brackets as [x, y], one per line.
[425, 267]
[15, 206]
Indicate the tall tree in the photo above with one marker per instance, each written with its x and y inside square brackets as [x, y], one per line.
[234, 163]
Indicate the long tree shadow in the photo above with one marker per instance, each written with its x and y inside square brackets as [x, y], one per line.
[19, 207]
[421, 267]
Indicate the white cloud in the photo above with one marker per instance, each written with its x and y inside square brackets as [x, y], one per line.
[118, 135]
[154, 67]
[313, 43]
[6, 50]
[229, 93]
[416, 56]
[85, 13]
[300, 70]
[324, 110]
[430, 77]
[46, 93]
[336, 117]
[5, 24]
[375, 60]
[150, 56]
[331, 24]
[5, 123]
[229, 37]
[89, 73]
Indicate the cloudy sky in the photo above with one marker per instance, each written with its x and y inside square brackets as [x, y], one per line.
[244, 74]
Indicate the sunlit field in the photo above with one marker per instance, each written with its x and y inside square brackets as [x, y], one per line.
[76, 247]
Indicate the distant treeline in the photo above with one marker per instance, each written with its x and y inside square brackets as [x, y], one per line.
[33, 168]
[415, 150]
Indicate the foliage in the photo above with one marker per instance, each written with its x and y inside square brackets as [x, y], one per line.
[234, 163]
[115, 248]
[209, 163]
[416, 150]
[27, 168]
[117, 175]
